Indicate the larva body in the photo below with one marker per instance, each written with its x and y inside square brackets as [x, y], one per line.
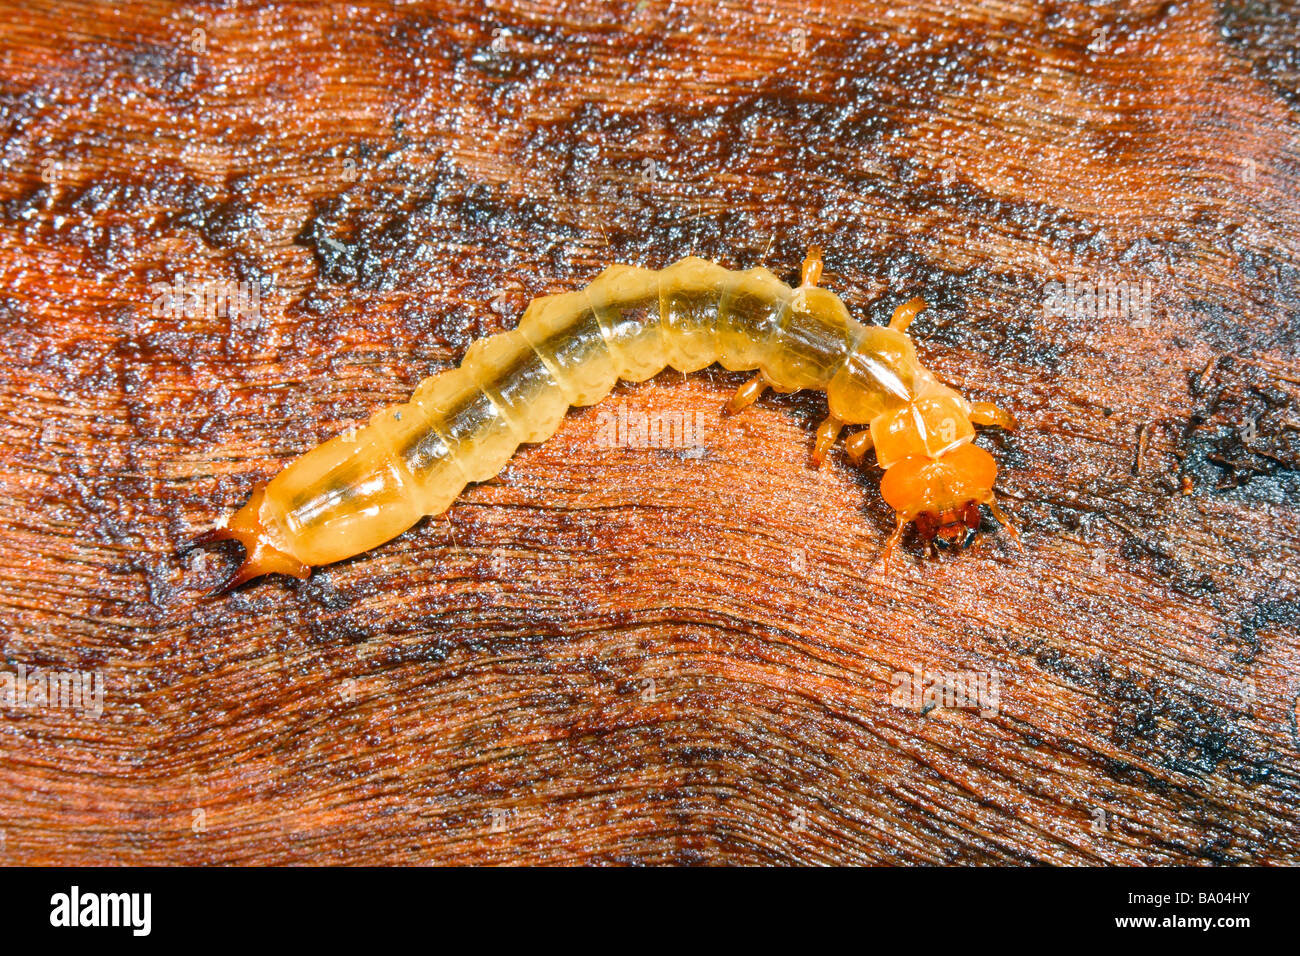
[371, 484]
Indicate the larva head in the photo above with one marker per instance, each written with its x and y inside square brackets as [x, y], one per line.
[941, 495]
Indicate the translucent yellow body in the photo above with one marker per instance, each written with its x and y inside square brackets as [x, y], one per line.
[371, 484]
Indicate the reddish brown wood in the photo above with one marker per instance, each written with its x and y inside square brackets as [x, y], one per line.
[389, 175]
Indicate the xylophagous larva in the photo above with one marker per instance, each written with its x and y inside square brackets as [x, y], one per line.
[368, 486]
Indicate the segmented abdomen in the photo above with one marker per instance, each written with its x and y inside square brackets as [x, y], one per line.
[365, 487]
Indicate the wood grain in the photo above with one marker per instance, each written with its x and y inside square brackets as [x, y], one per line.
[654, 655]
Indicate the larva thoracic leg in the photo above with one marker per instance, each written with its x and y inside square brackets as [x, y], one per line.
[857, 445]
[747, 394]
[369, 485]
[986, 413]
[828, 432]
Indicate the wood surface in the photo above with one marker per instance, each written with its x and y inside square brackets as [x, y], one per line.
[615, 654]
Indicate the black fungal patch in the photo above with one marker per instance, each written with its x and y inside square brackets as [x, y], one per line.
[1265, 33]
[1168, 725]
[1270, 615]
[1016, 335]
[228, 219]
[397, 237]
[1270, 322]
[1245, 434]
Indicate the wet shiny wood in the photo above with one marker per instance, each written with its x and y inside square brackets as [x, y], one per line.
[645, 654]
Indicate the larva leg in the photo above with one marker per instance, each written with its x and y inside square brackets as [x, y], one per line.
[811, 273]
[827, 432]
[857, 445]
[905, 313]
[986, 413]
[748, 394]
[887, 553]
[1005, 521]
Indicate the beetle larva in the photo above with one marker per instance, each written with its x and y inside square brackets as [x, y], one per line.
[371, 484]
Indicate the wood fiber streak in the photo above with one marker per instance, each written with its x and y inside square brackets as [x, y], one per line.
[646, 655]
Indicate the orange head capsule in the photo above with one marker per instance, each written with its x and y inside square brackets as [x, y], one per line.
[941, 495]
